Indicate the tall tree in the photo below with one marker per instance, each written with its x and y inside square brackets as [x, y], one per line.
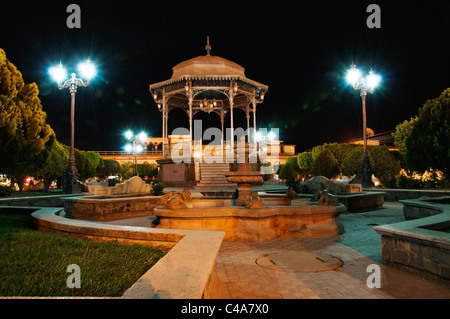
[107, 167]
[402, 132]
[23, 128]
[304, 163]
[384, 166]
[87, 163]
[52, 162]
[428, 144]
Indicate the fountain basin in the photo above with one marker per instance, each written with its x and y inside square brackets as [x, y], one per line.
[244, 178]
[255, 224]
[109, 207]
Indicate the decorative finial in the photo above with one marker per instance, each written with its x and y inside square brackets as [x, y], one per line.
[207, 46]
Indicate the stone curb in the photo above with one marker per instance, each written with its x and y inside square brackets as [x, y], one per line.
[417, 244]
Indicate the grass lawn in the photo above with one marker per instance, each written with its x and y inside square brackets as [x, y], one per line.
[34, 263]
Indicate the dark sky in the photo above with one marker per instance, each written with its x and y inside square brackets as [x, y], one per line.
[300, 50]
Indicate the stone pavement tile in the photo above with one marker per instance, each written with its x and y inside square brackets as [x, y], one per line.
[240, 276]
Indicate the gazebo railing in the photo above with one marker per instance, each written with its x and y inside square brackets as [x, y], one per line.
[126, 153]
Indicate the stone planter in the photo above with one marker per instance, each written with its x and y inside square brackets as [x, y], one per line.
[419, 244]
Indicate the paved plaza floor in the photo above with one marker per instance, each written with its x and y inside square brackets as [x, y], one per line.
[238, 275]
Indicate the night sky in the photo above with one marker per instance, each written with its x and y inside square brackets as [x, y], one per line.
[301, 51]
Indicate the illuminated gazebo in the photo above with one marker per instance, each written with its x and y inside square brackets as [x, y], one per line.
[209, 84]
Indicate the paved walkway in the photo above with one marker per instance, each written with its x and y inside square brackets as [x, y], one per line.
[238, 275]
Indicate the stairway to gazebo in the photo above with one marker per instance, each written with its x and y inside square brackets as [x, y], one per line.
[212, 176]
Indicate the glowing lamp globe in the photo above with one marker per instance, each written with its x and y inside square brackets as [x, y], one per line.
[353, 75]
[87, 69]
[58, 73]
[128, 148]
[128, 135]
[142, 137]
[139, 149]
[373, 80]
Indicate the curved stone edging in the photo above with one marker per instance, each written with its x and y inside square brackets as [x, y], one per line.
[256, 224]
[185, 272]
[416, 208]
[417, 244]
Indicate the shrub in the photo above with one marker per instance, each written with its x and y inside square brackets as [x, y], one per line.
[384, 166]
[147, 169]
[5, 190]
[288, 172]
[157, 189]
[352, 163]
[325, 164]
[305, 160]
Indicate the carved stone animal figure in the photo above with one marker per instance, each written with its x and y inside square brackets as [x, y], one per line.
[256, 201]
[166, 197]
[179, 200]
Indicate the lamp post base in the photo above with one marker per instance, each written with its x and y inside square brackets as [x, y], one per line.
[366, 172]
[70, 182]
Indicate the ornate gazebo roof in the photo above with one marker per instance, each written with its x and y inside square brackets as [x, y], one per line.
[207, 65]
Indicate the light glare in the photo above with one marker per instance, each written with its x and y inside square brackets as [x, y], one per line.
[128, 148]
[373, 80]
[58, 73]
[128, 135]
[353, 75]
[87, 69]
[142, 137]
[139, 148]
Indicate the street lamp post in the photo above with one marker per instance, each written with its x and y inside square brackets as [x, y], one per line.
[87, 69]
[136, 146]
[364, 85]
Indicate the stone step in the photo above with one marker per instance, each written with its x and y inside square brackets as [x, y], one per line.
[221, 176]
[211, 166]
[214, 181]
[215, 186]
[213, 173]
[216, 173]
[212, 176]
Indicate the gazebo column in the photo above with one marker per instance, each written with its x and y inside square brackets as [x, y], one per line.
[254, 120]
[222, 118]
[189, 93]
[190, 127]
[166, 136]
[163, 134]
[232, 123]
[164, 126]
[231, 95]
[247, 113]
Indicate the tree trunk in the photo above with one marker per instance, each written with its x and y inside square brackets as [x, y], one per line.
[47, 182]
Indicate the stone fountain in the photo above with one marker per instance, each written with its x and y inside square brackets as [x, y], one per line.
[251, 218]
[244, 177]
[128, 199]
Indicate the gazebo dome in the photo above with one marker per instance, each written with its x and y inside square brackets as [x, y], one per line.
[207, 65]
